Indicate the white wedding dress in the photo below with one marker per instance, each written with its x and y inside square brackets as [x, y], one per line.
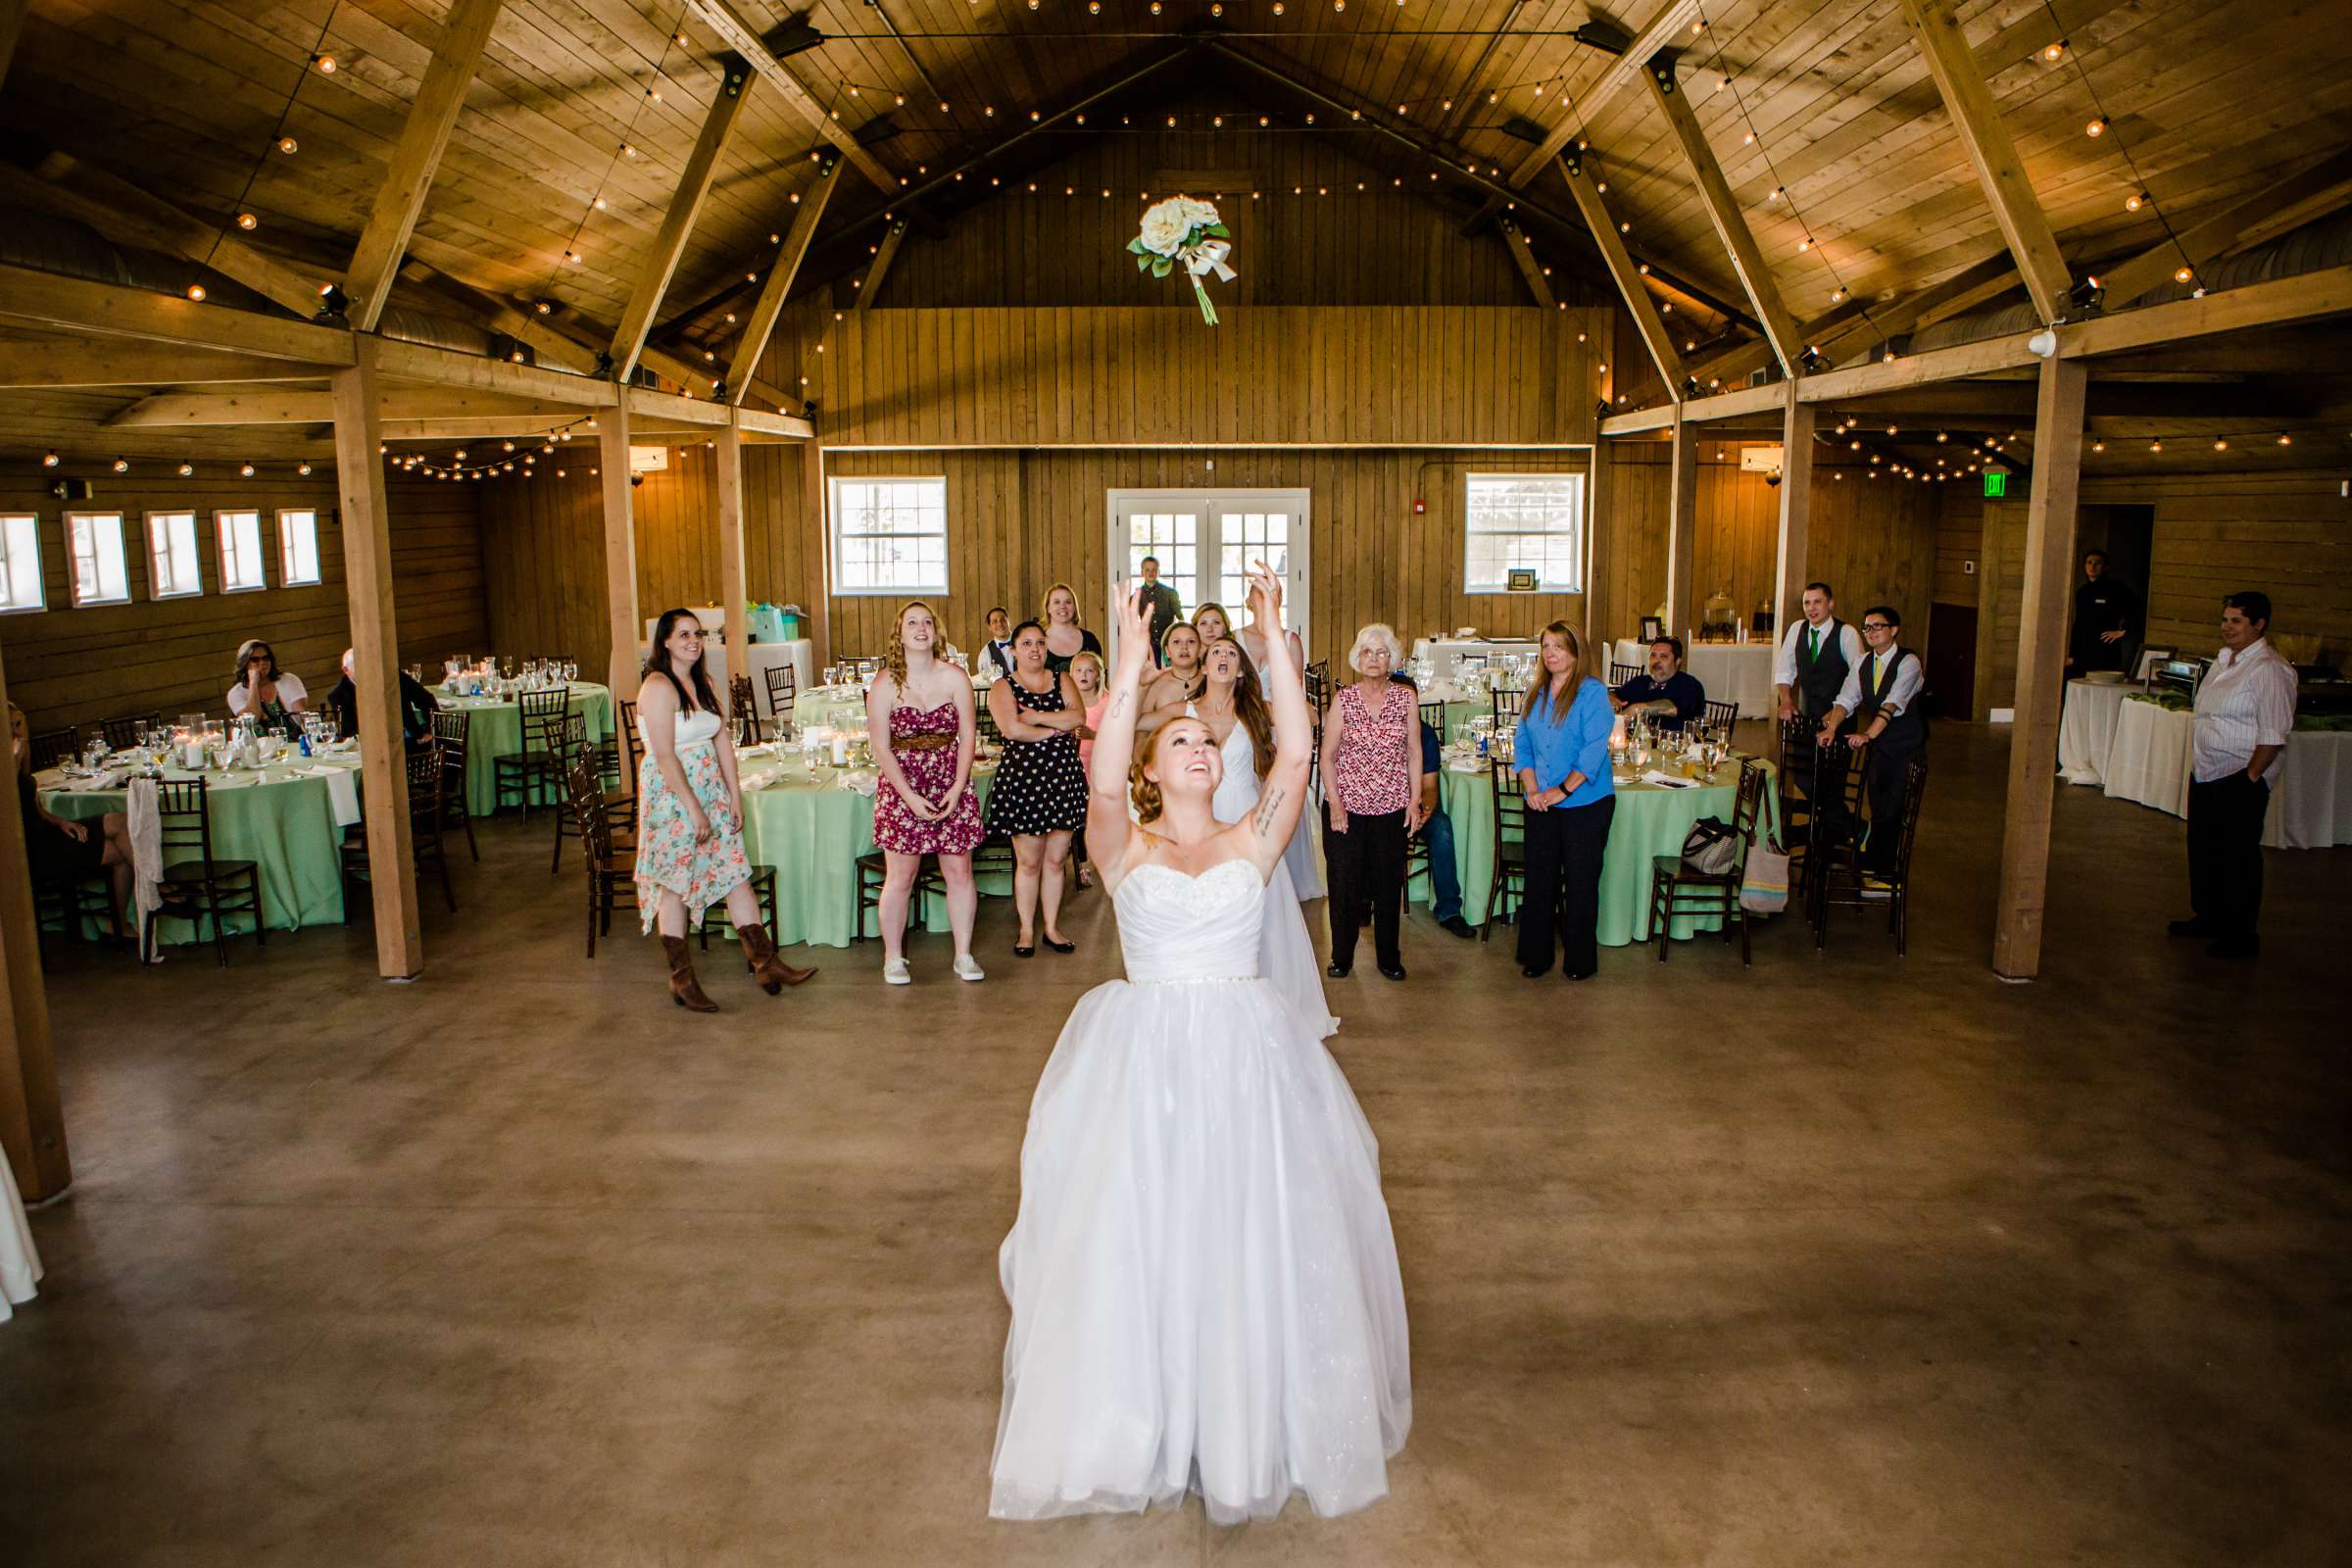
[1285, 954]
[1203, 1282]
[20, 1263]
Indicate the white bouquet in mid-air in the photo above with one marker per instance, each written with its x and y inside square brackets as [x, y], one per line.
[1184, 231]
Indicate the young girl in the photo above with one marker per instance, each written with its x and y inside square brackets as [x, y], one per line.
[1086, 671]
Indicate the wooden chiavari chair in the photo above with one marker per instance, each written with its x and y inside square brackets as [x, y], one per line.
[209, 885]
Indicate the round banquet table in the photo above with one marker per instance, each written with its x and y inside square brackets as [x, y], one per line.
[1732, 672]
[2147, 761]
[497, 731]
[1652, 820]
[812, 833]
[2087, 728]
[282, 818]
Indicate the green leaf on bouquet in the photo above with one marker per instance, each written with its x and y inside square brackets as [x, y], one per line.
[1136, 244]
[1162, 267]
[1142, 264]
[1218, 232]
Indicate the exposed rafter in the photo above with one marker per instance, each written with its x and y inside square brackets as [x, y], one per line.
[375, 259]
[1529, 269]
[869, 287]
[777, 288]
[677, 224]
[1722, 211]
[1625, 272]
[1663, 30]
[725, 21]
[2302, 196]
[1992, 154]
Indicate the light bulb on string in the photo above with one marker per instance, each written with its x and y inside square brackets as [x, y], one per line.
[2096, 128]
[288, 145]
[2135, 201]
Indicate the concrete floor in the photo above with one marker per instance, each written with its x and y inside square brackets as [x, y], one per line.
[1838, 1260]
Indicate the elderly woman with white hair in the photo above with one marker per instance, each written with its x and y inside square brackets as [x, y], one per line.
[1372, 799]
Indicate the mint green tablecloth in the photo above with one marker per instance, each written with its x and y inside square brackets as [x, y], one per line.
[1650, 822]
[282, 821]
[813, 834]
[497, 731]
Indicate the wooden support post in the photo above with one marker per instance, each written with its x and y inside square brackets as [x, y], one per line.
[814, 501]
[620, 552]
[32, 1126]
[1596, 518]
[375, 662]
[1796, 510]
[1530, 271]
[728, 445]
[2040, 665]
[439, 97]
[1682, 525]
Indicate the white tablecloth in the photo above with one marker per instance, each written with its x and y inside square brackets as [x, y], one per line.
[2311, 790]
[1732, 672]
[1449, 651]
[19, 1265]
[761, 658]
[2087, 728]
[2147, 761]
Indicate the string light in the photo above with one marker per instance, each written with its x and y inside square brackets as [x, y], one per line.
[288, 145]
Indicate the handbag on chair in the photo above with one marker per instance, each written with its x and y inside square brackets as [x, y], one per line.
[1711, 848]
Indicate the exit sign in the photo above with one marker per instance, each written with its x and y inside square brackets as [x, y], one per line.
[1996, 484]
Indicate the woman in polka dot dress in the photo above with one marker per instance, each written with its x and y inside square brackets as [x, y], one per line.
[1040, 794]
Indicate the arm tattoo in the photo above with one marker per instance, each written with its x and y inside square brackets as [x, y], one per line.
[1120, 706]
[1268, 804]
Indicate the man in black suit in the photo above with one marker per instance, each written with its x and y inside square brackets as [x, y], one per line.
[1166, 609]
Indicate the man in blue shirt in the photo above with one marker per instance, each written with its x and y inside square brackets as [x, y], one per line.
[1669, 694]
[1436, 833]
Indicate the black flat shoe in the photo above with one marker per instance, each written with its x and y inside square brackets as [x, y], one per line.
[1574, 975]
[1459, 927]
[1020, 951]
[1532, 973]
[1061, 947]
[1337, 971]
[1391, 971]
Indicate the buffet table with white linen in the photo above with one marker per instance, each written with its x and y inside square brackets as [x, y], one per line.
[2087, 728]
[1732, 672]
[1447, 653]
[2147, 761]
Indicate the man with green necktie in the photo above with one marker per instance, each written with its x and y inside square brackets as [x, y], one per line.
[1814, 658]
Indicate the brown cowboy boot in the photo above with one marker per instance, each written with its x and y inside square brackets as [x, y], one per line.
[684, 989]
[768, 966]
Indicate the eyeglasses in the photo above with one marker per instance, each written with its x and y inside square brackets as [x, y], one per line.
[1876, 626]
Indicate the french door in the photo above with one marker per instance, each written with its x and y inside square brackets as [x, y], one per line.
[1204, 541]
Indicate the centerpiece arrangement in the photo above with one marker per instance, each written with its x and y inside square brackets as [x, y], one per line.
[1184, 231]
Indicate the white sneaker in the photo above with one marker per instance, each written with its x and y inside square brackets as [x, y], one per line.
[968, 967]
[893, 972]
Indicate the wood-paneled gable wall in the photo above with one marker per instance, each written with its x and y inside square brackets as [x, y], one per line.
[69, 666]
[1323, 229]
[1142, 375]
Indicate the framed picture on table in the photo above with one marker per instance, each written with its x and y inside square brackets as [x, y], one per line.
[2152, 660]
[1652, 628]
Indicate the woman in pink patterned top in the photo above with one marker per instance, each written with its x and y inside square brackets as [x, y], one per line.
[924, 804]
[1372, 795]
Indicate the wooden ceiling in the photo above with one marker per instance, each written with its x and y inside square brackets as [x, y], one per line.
[1830, 104]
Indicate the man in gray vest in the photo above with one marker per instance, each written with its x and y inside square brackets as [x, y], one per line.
[1810, 670]
[1882, 696]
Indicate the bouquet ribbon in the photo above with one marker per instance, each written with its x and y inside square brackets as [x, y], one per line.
[1202, 259]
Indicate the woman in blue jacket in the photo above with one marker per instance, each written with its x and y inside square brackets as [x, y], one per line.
[1562, 755]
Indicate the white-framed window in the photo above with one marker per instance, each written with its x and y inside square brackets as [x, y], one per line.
[172, 570]
[94, 539]
[240, 536]
[1170, 534]
[21, 562]
[890, 536]
[1535, 520]
[297, 547]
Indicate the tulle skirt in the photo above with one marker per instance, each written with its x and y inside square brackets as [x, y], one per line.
[1203, 1282]
[1286, 955]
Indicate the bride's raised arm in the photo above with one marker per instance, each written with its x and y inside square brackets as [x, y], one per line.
[1108, 827]
[1284, 794]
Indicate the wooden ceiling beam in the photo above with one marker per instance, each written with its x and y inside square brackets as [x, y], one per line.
[2305, 297]
[127, 215]
[744, 359]
[1669, 24]
[870, 285]
[1529, 269]
[738, 35]
[77, 304]
[1992, 154]
[409, 179]
[2330, 180]
[274, 405]
[1722, 211]
[1625, 272]
[677, 224]
[87, 361]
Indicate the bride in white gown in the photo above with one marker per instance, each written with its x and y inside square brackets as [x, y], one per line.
[1229, 696]
[1203, 1282]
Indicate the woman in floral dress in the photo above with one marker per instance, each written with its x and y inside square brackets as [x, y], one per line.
[690, 817]
[1038, 798]
[925, 804]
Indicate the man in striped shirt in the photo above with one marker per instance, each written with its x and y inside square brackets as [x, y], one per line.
[2245, 708]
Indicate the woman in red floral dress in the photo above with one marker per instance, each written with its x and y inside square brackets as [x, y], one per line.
[925, 804]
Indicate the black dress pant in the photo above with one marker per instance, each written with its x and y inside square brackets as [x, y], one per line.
[1564, 850]
[2224, 853]
[1367, 866]
[1885, 779]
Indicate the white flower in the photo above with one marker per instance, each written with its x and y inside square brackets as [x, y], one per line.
[1165, 225]
[1202, 214]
